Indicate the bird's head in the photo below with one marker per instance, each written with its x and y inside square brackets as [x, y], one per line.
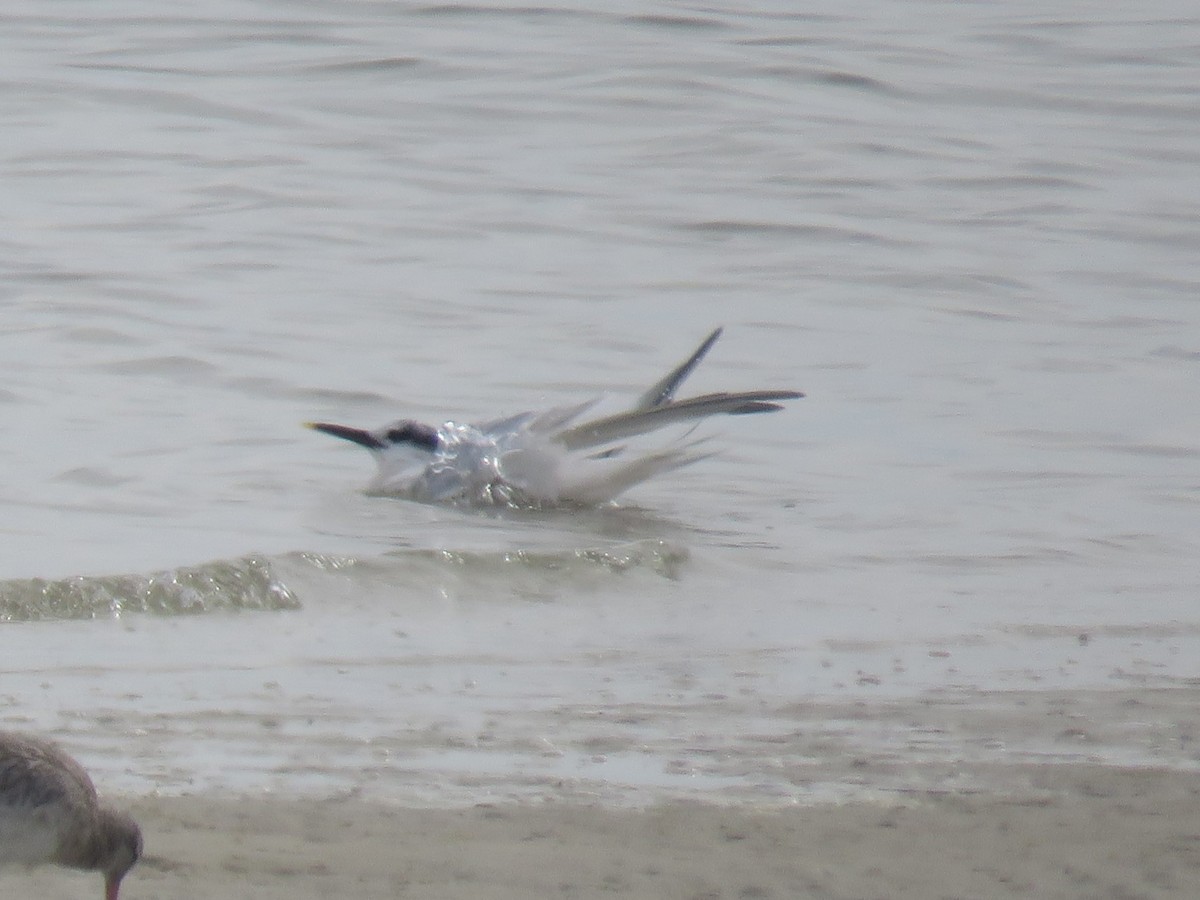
[403, 434]
[121, 848]
[401, 449]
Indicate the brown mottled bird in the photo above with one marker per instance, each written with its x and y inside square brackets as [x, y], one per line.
[49, 813]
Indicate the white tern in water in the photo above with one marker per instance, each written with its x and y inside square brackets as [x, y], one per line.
[552, 457]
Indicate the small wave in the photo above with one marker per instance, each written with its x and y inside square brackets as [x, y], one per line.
[855, 81]
[373, 64]
[248, 583]
[263, 583]
[669, 21]
[182, 368]
[656, 557]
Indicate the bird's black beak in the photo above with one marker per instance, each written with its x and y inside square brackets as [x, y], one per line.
[345, 432]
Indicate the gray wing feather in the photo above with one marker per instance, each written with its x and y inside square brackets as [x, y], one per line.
[663, 391]
[641, 420]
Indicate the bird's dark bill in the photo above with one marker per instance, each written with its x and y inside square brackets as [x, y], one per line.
[346, 433]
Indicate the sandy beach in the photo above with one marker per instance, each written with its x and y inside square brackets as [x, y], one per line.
[1057, 831]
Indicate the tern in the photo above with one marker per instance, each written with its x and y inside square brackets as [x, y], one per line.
[551, 458]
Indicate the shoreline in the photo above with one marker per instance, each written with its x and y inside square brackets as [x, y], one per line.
[1061, 830]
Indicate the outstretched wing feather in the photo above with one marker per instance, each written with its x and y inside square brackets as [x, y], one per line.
[641, 421]
[664, 391]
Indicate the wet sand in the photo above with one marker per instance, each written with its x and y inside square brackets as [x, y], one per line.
[1066, 830]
